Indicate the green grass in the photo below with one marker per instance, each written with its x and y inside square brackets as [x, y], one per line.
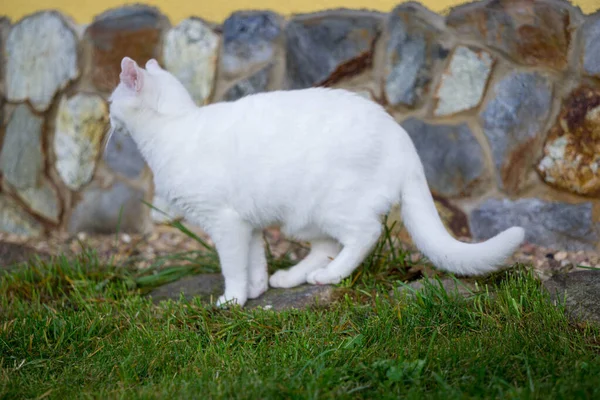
[78, 329]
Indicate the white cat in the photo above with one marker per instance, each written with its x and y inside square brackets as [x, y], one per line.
[323, 164]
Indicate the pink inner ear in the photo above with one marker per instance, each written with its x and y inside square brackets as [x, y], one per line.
[131, 75]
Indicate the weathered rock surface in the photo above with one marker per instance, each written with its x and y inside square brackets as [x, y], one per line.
[81, 123]
[591, 40]
[256, 83]
[326, 47]
[530, 32]
[108, 210]
[452, 157]
[42, 200]
[579, 292]
[41, 59]
[190, 53]
[14, 220]
[464, 81]
[211, 286]
[551, 224]
[133, 31]
[4, 30]
[122, 154]
[413, 48]
[249, 41]
[572, 153]
[298, 298]
[513, 121]
[21, 158]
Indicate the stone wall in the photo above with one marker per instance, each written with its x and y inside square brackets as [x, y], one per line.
[502, 99]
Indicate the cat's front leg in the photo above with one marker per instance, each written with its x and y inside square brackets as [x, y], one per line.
[232, 237]
[258, 277]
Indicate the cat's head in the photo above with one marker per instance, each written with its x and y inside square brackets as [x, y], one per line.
[147, 90]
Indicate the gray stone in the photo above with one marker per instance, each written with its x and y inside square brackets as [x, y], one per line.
[16, 221]
[249, 41]
[134, 31]
[190, 53]
[411, 53]
[122, 154]
[513, 120]
[256, 83]
[42, 59]
[464, 81]
[208, 287]
[452, 157]
[4, 30]
[118, 208]
[550, 224]
[329, 46]
[591, 40]
[298, 298]
[579, 292]
[43, 200]
[81, 123]
[536, 33]
[453, 287]
[21, 158]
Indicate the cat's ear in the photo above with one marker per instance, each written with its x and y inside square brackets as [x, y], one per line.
[152, 63]
[131, 75]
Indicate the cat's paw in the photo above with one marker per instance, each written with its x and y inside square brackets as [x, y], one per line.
[230, 301]
[323, 277]
[285, 279]
[256, 289]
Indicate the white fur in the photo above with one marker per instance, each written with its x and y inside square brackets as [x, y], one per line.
[323, 164]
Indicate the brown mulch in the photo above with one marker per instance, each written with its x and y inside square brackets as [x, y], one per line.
[165, 240]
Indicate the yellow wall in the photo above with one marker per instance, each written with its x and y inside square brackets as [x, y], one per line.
[217, 10]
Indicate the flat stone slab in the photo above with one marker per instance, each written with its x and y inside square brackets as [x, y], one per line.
[580, 291]
[451, 286]
[206, 286]
[13, 253]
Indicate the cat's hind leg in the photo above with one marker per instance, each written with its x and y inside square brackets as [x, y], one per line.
[355, 250]
[258, 276]
[321, 254]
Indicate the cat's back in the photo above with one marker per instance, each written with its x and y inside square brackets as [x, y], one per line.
[313, 99]
[308, 113]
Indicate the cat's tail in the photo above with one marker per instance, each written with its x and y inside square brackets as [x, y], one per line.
[429, 234]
